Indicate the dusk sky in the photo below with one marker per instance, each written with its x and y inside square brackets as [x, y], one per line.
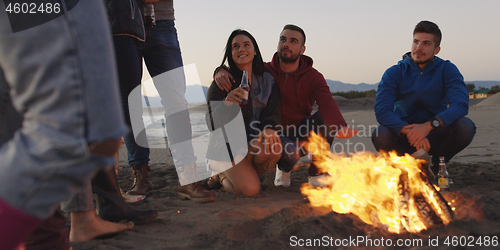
[350, 41]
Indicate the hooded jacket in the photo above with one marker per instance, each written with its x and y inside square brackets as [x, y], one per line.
[408, 95]
[125, 18]
[300, 89]
[261, 112]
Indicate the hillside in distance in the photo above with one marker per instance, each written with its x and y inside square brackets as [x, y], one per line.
[484, 84]
[338, 86]
[197, 94]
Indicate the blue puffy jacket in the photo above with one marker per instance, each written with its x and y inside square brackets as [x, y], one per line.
[407, 95]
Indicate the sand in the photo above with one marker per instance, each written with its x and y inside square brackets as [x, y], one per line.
[279, 217]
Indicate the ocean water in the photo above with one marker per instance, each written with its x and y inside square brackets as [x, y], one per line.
[156, 126]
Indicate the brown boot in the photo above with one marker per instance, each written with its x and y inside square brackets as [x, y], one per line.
[215, 182]
[141, 180]
[194, 191]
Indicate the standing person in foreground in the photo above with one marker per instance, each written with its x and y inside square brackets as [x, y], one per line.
[85, 224]
[62, 80]
[421, 102]
[260, 115]
[162, 56]
[300, 86]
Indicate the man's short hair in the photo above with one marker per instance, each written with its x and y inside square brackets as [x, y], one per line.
[296, 28]
[430, 28]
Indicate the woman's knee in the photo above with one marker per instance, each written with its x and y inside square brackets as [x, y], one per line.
[249, 189]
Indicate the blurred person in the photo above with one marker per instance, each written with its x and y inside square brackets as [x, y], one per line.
[62, 79]
[162, 56]
[127, 26]
[422, 101]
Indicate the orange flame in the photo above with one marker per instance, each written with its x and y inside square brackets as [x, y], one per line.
[369, 186]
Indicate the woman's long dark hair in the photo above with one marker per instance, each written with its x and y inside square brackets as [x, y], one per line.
[257, 63]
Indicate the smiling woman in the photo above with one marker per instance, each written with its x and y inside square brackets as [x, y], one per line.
[243, 52]
[263, 147]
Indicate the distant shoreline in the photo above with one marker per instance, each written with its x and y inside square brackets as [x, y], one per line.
[345, 105]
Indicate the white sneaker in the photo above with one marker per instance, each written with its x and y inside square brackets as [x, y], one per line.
[318, 181]
[208, 166]
[282, 178]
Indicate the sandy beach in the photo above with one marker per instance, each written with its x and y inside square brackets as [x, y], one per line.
[278, 217]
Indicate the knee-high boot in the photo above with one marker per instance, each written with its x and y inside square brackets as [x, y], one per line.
[111, 206]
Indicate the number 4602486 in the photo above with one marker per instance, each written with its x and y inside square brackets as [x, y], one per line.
[33, 8]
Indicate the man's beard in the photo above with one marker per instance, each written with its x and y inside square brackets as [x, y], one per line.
[424, 62]
[291, 59]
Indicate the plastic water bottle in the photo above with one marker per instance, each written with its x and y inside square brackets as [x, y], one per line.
[443, 177]
[244, 85]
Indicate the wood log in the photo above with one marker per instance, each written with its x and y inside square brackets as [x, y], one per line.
[404, 201]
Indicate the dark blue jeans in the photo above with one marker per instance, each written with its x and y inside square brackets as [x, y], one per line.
[161, 53]
[318, 125]
[446, 142]
[129, 66]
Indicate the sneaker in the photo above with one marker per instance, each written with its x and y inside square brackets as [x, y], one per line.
[282, 178]
[318, 181]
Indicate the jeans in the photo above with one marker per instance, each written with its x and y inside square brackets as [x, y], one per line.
[162, 55]
[446, 142]
[302, 132]
[129, 66]
[7, 129]
[62, 80]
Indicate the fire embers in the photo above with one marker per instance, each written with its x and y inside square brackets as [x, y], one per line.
[386, 191]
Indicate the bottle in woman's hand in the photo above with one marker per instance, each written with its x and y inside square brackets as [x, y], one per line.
[244, 85]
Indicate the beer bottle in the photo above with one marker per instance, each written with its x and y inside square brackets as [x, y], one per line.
[149, 15]
[443, 177]
[244, 85]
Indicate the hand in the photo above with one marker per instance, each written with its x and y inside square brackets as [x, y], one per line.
[346, 132]
[270, 139]
[418, 132]
[406, 129]
[235, 95]
[224, 80]
[423, 144]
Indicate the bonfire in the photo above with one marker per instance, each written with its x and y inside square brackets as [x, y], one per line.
[386, 190]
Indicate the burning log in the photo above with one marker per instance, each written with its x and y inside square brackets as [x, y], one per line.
[438, 203]
[433, 197]
[426, 212]
[404, 201]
